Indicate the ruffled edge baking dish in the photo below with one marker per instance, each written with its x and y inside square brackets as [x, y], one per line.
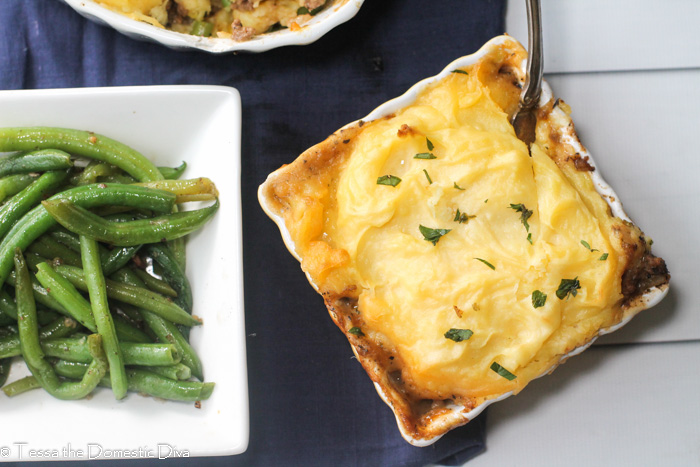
[456, 414]
[333, 15]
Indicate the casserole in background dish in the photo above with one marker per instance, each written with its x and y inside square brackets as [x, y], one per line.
[459, 264]
[140, 25]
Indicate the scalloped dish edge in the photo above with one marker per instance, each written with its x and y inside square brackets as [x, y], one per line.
[336, 14]
[458, 414]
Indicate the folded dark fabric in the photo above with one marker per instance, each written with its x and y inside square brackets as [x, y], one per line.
[310, 401]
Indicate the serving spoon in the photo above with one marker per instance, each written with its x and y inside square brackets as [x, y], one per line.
[525, 118]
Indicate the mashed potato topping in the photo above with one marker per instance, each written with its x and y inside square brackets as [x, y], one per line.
[236, 19]
[460, 263]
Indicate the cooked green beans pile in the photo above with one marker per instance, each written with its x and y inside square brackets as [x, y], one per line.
[93, 290]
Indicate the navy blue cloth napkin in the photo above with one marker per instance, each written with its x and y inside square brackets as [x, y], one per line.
[310, 401]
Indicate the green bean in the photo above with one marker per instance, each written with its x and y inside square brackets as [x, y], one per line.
[31, 348]
[136, 296]
[111, 259]
[178, 371]
[196, 189]
[41, 295]
[164, 329]
[42, 160]
[61, 327]
[93, 171]
[38, 220]
[127, 332]
[173, 274]
[29, 197]
[78, 307]
[178, 247]
[119, 178]
[47, 247]
[83, 143]
[68, 390]
[21, 386]
[76, 350]
[156, 284]
[147, 382]
[95, 281]
[5, 365]
[66, 294]
[173, 173]
[9, 309]
[6, 320]
[67, 238]
[13, 184]
[118, 258]
[160, 228]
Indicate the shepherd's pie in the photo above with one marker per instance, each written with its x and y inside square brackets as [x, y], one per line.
[460, 263]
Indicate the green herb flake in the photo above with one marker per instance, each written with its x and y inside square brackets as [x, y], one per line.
[226, 3]
[502, 371]
[603, 257]
[460, 71]
[356, 331]
[538, 299]
[462, 217]
[430, 144]
[486, 200]
[525, 214]
[529, 238]
[459, 335]
[425, 155]
[568, 287]
[486, 263]
[432, 235]
[430, 180]
[458, 187]
[587, 246]
[390, 180]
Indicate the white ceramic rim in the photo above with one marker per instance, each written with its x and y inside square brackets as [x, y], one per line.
[337, 13]
[648, 300]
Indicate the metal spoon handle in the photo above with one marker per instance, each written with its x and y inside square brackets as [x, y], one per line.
[533, 81]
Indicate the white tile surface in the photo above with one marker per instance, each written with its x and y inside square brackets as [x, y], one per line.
[604, 35]
[641, 129]
[633, 405]
[628, 405]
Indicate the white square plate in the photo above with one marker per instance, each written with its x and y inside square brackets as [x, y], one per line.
[168, 124]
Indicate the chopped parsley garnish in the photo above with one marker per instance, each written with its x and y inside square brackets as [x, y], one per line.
[430, 180]
[432, 235]
[502, 371]
[430, 144]
[525, 214]
[603, 257]
[588, 247]
[538, 299]
[462, 217]
[486, 200]
[459, 335]
[486, 263]
[458, 187]
[356, 331]
[425, 155]
[388, 180]
[460, 71]
[226, 3]
[529, 238]
[568, 287]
